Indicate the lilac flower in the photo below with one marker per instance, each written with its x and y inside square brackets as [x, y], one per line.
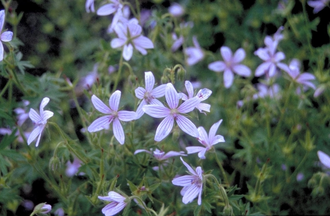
[208, 141]
[192, 184]
[176, 10]
[39, 120]
[230, 65]
[129, 37]
[194, 54]
[117, 203]
[4, 131]
[59, 212]
[122, 16]
[22, 115]
[72, 168]
[172, 113]
[89, 5]
[108, 9]
[269, 55]
[46, 208]
[318, 5]
[265, 90]
[4, 36]
[300, 177]
[177, 42]
[112, 115]
[324, 158]
[149, 93]
[160, 155]
[202, 95]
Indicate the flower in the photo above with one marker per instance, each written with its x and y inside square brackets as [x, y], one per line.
[269, 55]
[39, 120]
[176, 10]
[194, 54]
[5, 36]
[324, 158]
[22, 115]
[149, 93]
[160, 155]
[59, 212]
[177, 42]
[192, 184]
[108, 9]
[112, 115]
[208, 141]
[264, 90]
[230, 65]
[318, 5]
[172, 113]
[72, 168]
[89, 5]
[117, 203]
[130, 36]
[202, 95]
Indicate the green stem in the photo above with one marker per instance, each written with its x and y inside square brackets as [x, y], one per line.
[5, 88]
[119, 72]
[100, 183]
[221, 169]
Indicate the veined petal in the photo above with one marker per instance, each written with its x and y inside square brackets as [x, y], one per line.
[141, 150]
[33, 135]
[324, 158]
[194, 149]
[261, 69]
[228, 78]
[217, 66]
[118, 131]
[159, 91]
[305, 76]
[201, 154]
[114, 100]
[139, 92]
[43, 103]
[113, 208]
[126, 116]
[203, 107]
[171, 96]
[172, 154]
[189, 88]
[203, 94]
[116, 196]
[199, 201]
[199, 172]
[7, 36]
[128, 52]
[226, 53]
[2, 19]
[262, 53]
[279, 56]
[1, 51]
[189, 105]
[149, 81]
[106, 9]
[34, 116]
[139, 110]
[203, 138]
[100, 123]
[156, 102]
[191, 170]
[143, 42]
[183, 180]
[141, 50]
[47, 114]
[272, 70]
[213, 130]
[100, 106]
[117, 42]
[238, 56]
[164, 128]
[121, 31]
[191, 193]
[156, 111]
[134, 29]
[242, 70]
[217, 139]
[186, 125]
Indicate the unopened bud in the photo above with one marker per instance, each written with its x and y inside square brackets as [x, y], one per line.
[42, 208]
[181, 74]
[164, 80]
[54, 163]
[132, 78]
[228, 210]
[318, 191]
[176, 133]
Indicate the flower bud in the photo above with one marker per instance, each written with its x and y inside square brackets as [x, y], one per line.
[181, 74]
[318, 191]
[54, 163]
[42, 208]
[164, 80]
[228, 210]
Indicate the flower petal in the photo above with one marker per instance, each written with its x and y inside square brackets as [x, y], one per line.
[172, 154]
[217, 139]
[242, 70]
[191, 193]
[194, 149]
[186, 125]
[203, 138]
[1, 51]
[100, 123]
[213, 130]
[139, 92]
[139, 110]
[106, 9]
[118, 131]
[114, 100]
[279, 56]
[226, 53]
[7, 36]
[117, 42]
[141, 150]
[143, 42]
[261, 69]
[128, 52]
[113, 208]
[228, 78]
[2, 19]
[238, 56]
[159, 91]
[172, 97]
[134, 29]
[100, 106]
[183, 180]
[47, 114]
[189, 88]
[217, 66]
[34, 116]
[43, 103]
[116, 196]
[33, 135]
[324, 158]
[191, 170]
[149, 81]
[156, 111]
[164, 128]
[126, 116]
[189, 105]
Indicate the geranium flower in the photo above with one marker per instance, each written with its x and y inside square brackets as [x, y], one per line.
[176, 10]
[194, 54]
[112, 115]
[129, 37]
[72, 168]
[160, 155]
[230, 65]
[177, 42]
[117, 203]
[149, 93]
[5, 36]
[108, 9]
[208, 141]
[324, 158]
[192, 184]
[89, 6]
[202, 95]
[318, 5]
[39, 120]
[174, 112]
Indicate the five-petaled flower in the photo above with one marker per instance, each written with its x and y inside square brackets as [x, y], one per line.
[230, 65]
[194, 54]
[39, 120]
[318, 5]
[192, 184]
[202, 95]
[208, 141]
[160, 155]
[4, 36]
[130, 36]
[174, 112]
[117, 203]
[112, 115]
[149, 93]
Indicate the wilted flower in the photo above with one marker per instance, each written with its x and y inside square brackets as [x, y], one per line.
[89, 5]
[230, 65]
[194, 54]
[206, 140]
[5, 36]
[202, 95]
[192, 184]
[174, 112]
[318, 5]
[176, 10]
[149, 93]
[117, 203]
[112, 115]
[39, 120]
[130, 36]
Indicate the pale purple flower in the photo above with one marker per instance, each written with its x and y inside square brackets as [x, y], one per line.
[112, 115]
[122, 17]
[40, 121]
[28, 205]
[22, 115]
[129, 37]
[149, 94]
[89, 6]
[194, 54]
[202, 95]
[59, 212]
[176, 10]
[192, 184]
[110, 8]
[230, 65]
[300, 176]
[4, 131]
[46, 208]
[208, 141]
[177, 42]
[72, 168]
[117, 203]
[324, 158]
[318, 5]
[320, 90]
[266, 91]
[5, 36]
[160, 155]
[174, 112]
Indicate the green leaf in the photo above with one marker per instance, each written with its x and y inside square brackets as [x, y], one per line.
[7, 140]
[132, 187]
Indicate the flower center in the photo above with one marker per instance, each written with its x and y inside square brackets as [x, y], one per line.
[148, 97]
